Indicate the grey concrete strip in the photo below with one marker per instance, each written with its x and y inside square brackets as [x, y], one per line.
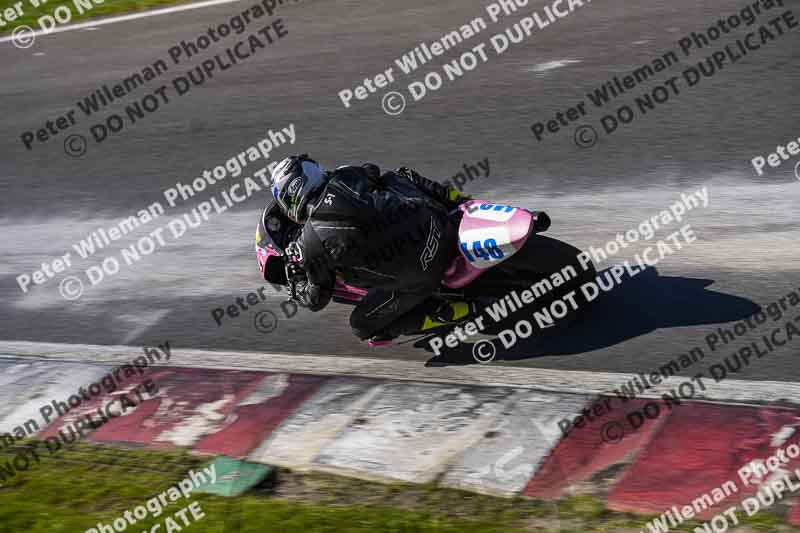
[504, 461]
[320, 419]
[412, 431]
[28, 387]
[498, 375]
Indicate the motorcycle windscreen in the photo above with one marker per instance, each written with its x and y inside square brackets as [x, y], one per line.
[272, 236]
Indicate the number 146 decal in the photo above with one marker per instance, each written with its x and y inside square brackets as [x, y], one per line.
[491, 251]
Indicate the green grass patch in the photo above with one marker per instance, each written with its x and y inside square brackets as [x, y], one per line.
[74, 489]
[31, 14]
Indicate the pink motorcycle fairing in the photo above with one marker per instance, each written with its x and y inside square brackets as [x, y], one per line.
[271, 234]
[488, 234]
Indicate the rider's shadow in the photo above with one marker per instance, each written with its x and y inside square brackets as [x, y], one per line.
[638, 305]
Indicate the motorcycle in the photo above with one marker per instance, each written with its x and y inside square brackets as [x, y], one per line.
[500, 251]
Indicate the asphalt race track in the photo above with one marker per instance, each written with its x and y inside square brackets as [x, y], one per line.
[746, 253]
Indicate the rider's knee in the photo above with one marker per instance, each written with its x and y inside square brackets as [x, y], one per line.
[361, 328]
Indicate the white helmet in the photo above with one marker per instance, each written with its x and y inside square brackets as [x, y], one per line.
[295, 181]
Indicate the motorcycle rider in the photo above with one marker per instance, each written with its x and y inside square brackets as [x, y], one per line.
[388, 233]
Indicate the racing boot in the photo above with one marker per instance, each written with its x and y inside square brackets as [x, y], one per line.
[437, 313]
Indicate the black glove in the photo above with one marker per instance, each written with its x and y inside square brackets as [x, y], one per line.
[295, 275]
[300, 290]
[446, 194]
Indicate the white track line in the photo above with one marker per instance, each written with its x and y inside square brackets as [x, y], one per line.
[497, 375]
[123, 18]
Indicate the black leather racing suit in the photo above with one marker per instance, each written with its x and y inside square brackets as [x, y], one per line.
[386, 233]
